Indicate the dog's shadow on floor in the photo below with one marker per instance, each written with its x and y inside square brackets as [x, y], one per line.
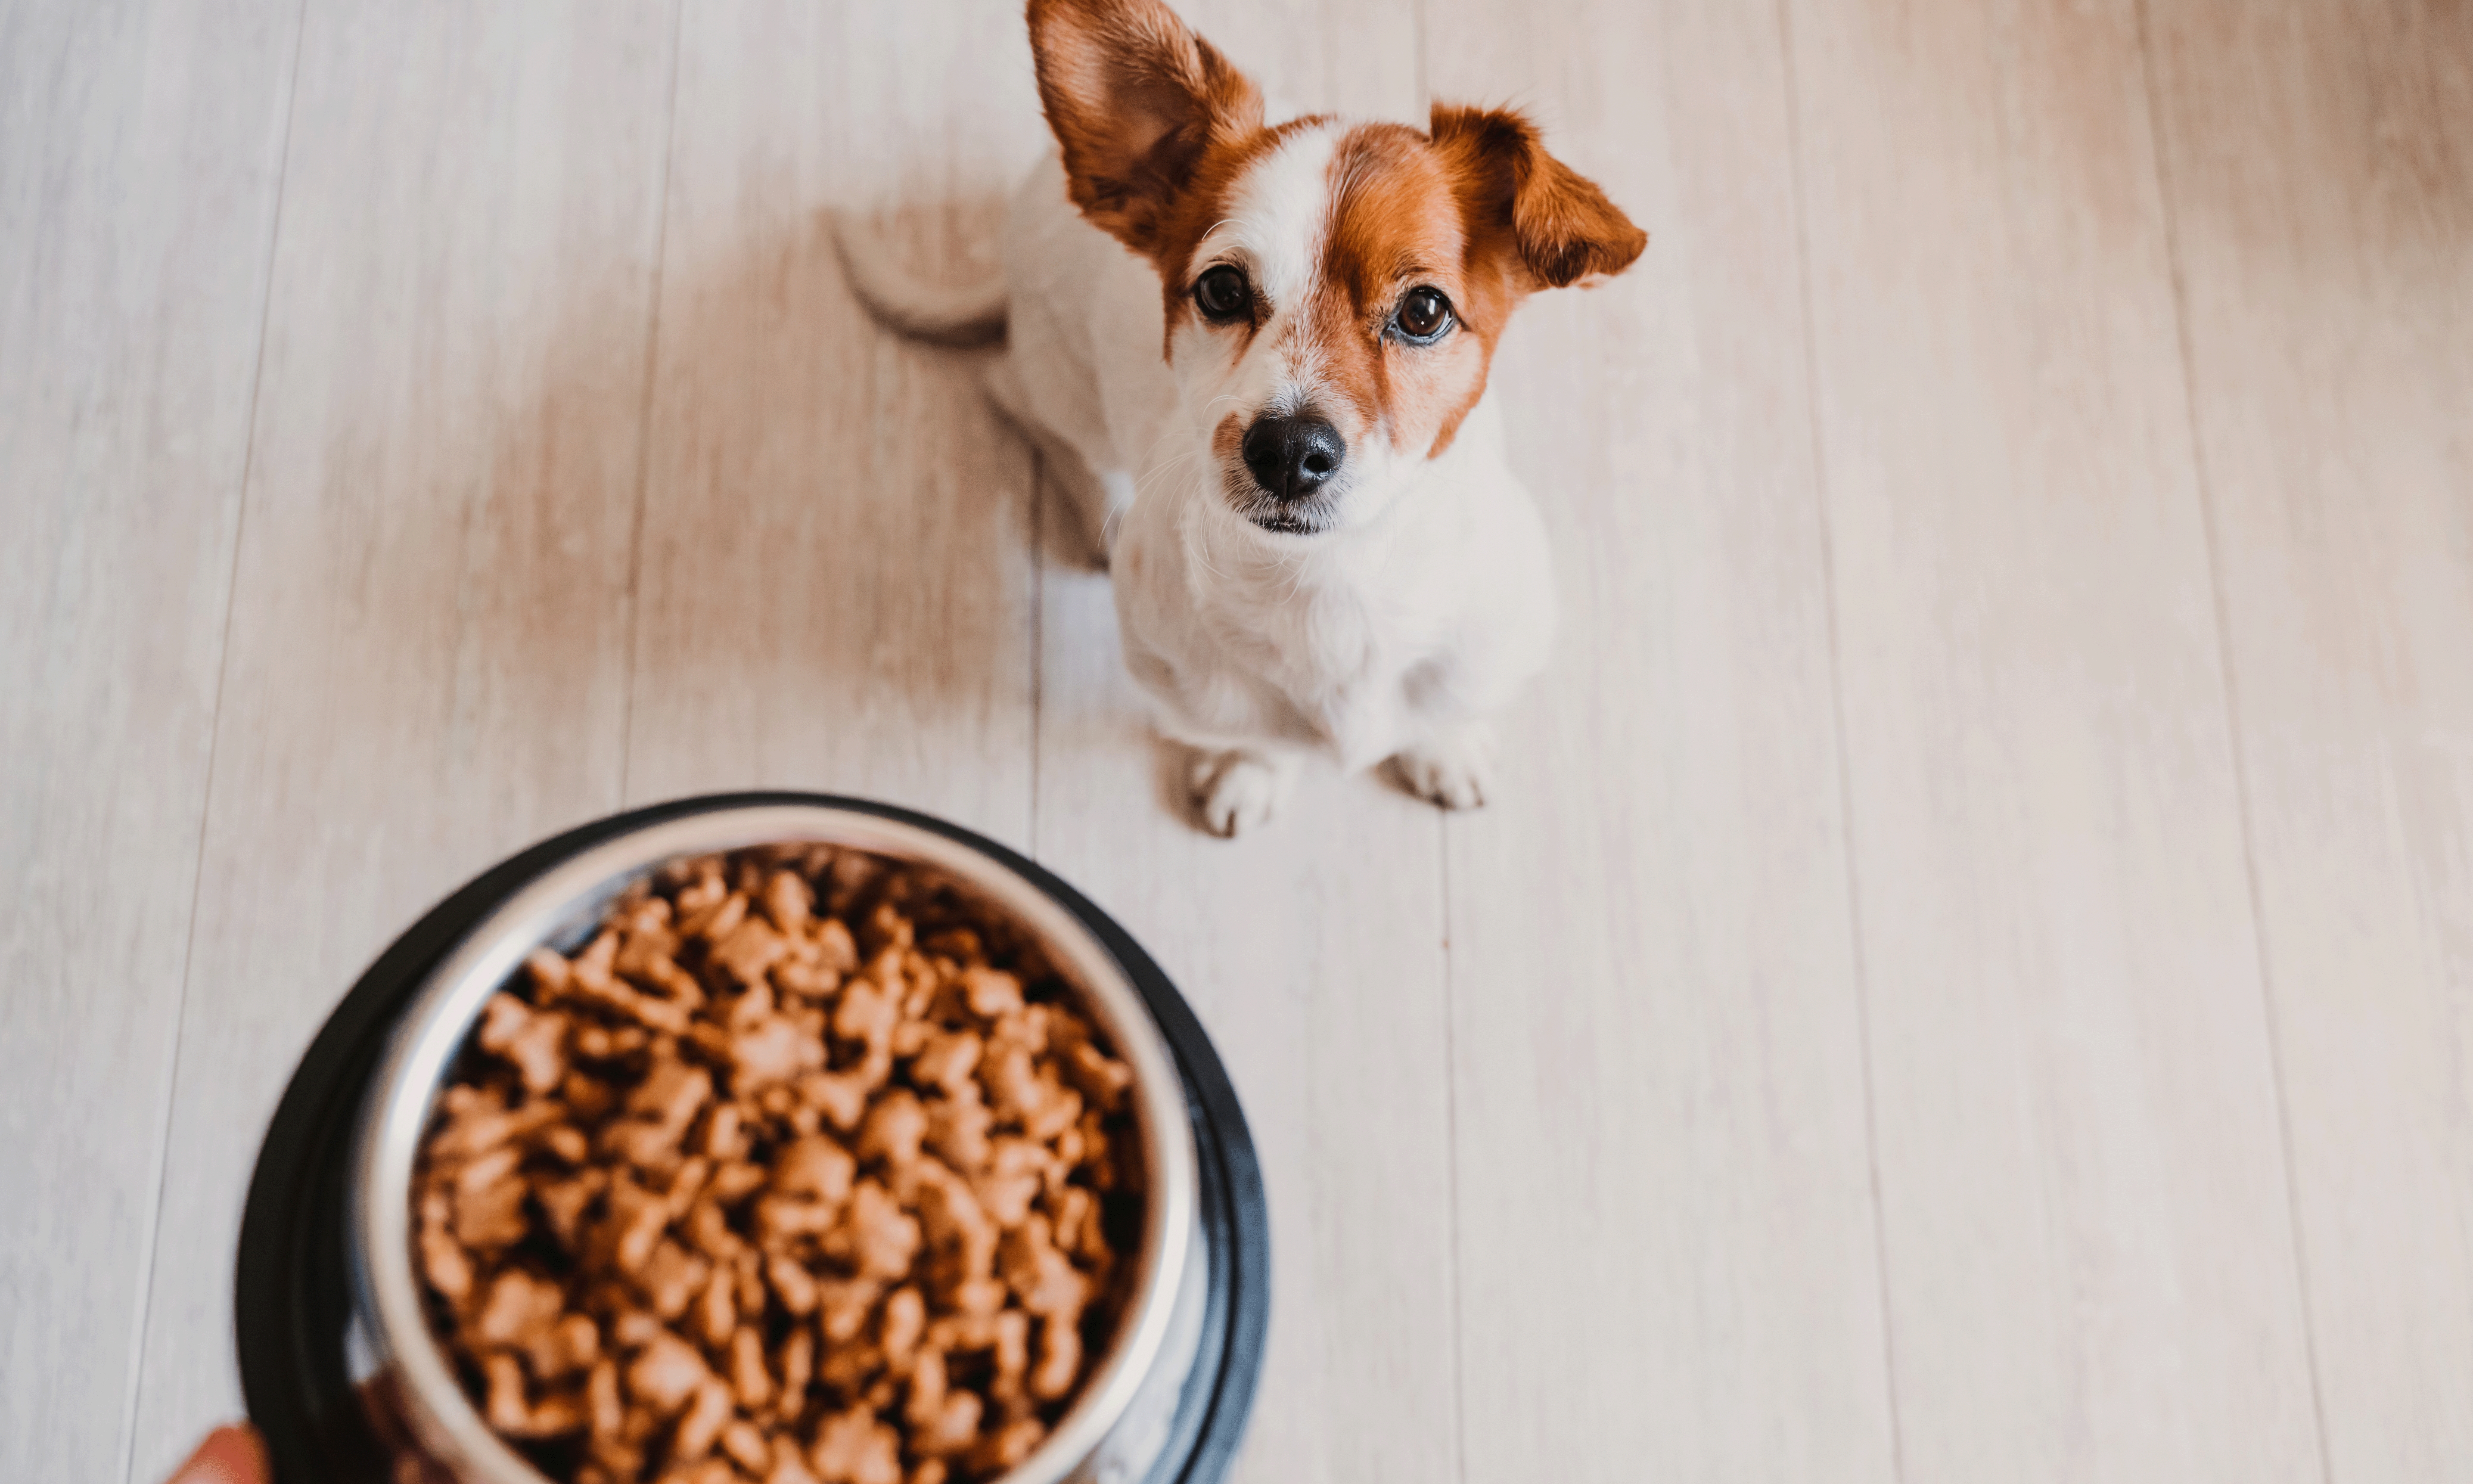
[835, 569]
[828, 559]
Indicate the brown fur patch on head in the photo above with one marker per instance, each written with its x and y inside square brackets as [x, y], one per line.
[1158, 132]
[1476, 210]
[1551, 222]
[1228, 439]
[1202, 204]
[1396, 226]
[1137, 100]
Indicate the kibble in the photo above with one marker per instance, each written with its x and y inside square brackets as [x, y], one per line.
[801, 1170]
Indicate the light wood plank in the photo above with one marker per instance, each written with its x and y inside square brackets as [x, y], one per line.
[1312, 952]
[836, 587]
[1667, 1233]
[2322, 193]
[1665, 1262]
[138, 168]
[2091, 1271]
[427, 654]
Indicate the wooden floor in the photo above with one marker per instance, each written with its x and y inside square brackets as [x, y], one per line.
[1969, 976]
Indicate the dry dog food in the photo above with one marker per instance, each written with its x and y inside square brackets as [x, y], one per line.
[803, 1171]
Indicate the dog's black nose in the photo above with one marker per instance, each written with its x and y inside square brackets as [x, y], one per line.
[1291, 457]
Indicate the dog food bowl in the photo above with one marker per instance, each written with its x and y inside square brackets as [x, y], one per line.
[341, 1368]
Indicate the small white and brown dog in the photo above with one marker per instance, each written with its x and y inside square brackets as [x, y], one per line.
[1256, 353]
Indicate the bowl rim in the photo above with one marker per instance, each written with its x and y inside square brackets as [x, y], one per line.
[568, 899]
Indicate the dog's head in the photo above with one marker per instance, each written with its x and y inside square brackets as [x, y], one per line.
[1334, 292]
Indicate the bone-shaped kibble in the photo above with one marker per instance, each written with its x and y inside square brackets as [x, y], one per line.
[778, 1179]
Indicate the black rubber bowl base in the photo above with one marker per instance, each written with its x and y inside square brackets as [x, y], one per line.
[292, 1295]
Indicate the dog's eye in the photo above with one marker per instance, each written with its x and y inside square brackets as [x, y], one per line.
[1422, 316]
[1221, 293]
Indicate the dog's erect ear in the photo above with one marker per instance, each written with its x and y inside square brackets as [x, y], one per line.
[1562, 226]
[1135, 99]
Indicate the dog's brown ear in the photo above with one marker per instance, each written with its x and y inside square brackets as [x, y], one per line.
[1135, 99]
[1563, 227]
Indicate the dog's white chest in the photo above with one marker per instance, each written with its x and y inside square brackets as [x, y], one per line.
[1354, 651]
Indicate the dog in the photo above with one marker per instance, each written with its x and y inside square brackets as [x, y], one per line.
[1255, 355]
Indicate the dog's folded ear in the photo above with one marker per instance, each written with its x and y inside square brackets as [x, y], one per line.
[1562, 228]
[1135, 98]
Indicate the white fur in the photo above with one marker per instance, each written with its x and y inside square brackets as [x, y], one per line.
[1280, 216]
[1277, 227]
[1393, 634]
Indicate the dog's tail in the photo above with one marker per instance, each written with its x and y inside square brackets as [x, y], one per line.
[968, 316]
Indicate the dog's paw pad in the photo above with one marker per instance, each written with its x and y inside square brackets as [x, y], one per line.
[1236, 792]
[1454, 772]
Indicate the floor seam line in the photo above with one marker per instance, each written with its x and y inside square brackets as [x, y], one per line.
[644, 418]
[1451, 1146]
[1817, 445]
[215, 747]
[1038, 629]
[2239, 757]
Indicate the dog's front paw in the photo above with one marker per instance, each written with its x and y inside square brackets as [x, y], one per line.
[1454, 769]
[1239, 790]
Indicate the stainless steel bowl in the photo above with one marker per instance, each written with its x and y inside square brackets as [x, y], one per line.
[1119, 1424]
